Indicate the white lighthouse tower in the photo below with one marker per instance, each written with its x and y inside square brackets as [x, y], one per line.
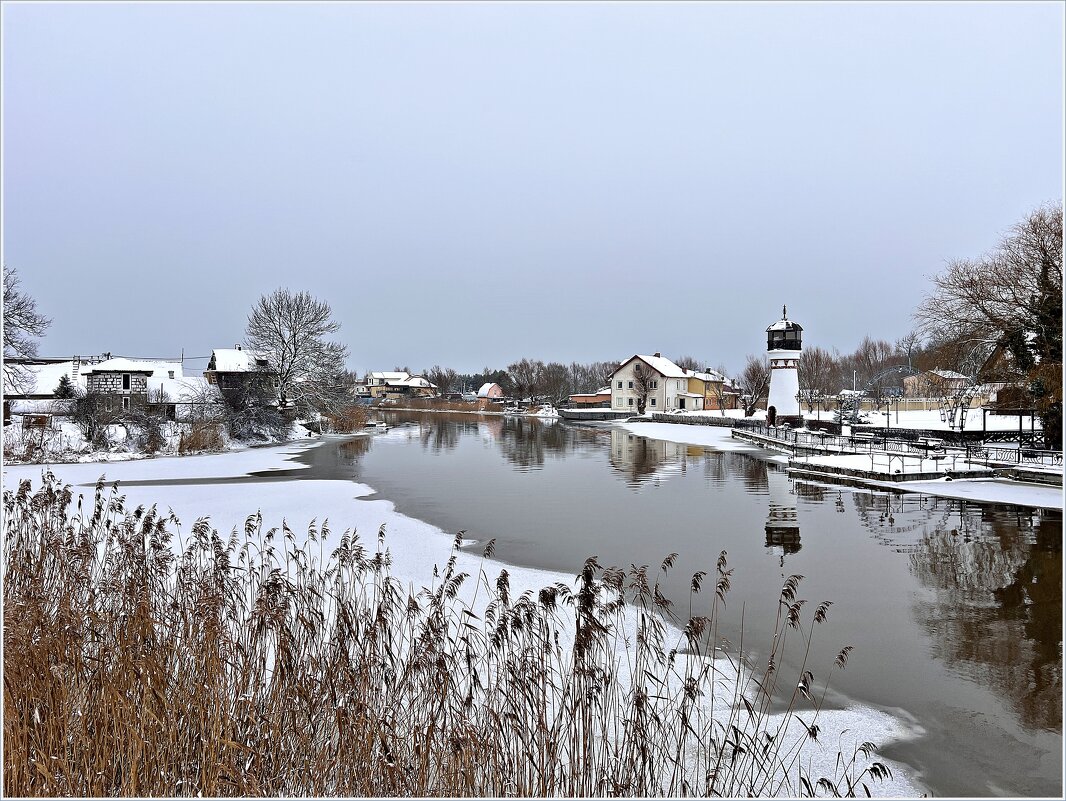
[783, 345]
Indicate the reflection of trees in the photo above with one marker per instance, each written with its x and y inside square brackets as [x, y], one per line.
[995, 615]
[525, 441]
[352, 450]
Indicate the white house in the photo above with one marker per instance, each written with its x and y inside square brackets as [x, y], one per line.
[393, 384]
[669, 387]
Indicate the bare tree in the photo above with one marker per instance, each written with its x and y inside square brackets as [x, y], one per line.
[644, 383]
[555, 383]
[754, 382]
[816, 375]
[689, 363]
[909, 346]
[23, 326]
[525, 376]
[719, 393]
[872, 356]
[290, 328]
[982, 302]
[1009, 301]
[444, 378]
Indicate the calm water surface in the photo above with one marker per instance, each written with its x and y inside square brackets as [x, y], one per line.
[954, 609]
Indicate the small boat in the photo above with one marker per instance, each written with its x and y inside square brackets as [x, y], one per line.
[377, 425]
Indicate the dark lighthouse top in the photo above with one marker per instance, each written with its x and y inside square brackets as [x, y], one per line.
[784, 334]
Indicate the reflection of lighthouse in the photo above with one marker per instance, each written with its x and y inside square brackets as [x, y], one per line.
[782, 521]
[783, 344]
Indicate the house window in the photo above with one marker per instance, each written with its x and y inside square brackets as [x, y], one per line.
[126, 381]
[653, 401]
[170, 373]
[619, 384]
[618, 402]
[126, 404]
[655, 384]
[631, 385]
[109, 404]
[630, 401]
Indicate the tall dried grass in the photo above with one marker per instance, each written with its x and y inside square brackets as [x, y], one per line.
[348, 419]
[141, 662]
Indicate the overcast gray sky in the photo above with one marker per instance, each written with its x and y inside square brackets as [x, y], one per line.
[471, 184]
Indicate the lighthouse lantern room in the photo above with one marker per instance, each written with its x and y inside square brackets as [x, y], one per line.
[784, 342]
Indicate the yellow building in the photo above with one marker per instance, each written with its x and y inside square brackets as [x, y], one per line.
[714, 390]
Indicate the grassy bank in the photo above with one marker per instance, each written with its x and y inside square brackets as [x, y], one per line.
[141, 660]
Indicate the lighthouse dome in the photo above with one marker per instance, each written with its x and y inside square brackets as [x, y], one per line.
[785, 334]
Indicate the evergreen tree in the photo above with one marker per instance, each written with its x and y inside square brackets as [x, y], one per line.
[65, 389]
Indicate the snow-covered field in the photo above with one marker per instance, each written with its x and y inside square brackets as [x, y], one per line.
[415, 546]
[983, 489]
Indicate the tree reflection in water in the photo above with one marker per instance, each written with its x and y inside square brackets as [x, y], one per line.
[995, 612]
[352, 450]
[525, 441]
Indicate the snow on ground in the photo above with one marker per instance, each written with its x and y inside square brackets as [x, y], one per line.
[903, 419]
[931, 420]
[65, 443]
[992, 490]
[971, 489]
[889, 464]
[416, 546]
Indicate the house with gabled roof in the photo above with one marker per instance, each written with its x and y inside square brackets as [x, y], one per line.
[669, 385]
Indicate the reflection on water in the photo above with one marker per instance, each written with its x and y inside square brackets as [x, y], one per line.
[994, 612]
[985, 600]
[641, 460]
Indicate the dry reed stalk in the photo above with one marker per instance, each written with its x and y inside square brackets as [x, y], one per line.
[141, 662]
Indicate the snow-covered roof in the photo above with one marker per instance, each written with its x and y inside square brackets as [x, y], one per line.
[660, 364]
[420, 382]
[711, 376]
[46, 377]
[234, 360]
[390, 376]
[120, 365]
[785, 324]
[949, 374]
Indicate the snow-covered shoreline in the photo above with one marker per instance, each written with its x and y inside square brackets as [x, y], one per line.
[416, 546]
[977, 490]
